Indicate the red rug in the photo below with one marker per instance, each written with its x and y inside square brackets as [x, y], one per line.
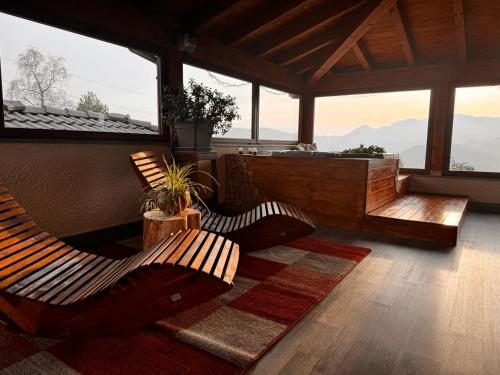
[274, 288]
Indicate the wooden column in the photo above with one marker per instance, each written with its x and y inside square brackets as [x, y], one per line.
[306, 118]
[441, 115]
[170, 74]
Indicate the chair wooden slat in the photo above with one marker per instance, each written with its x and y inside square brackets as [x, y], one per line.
[74, 291]
[224, 253]
[73, 271]
[12, 213]
[183, 247]
[200, 257]
[193, 249]
[36, 279]
[68, 282]
[20, 233]
[50, 258]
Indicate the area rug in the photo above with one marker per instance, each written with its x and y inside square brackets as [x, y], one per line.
[274, 288]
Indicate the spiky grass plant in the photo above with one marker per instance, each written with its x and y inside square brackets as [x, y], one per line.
[176, 190]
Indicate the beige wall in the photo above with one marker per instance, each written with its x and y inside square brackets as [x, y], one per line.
[73, 188]
[478, 190]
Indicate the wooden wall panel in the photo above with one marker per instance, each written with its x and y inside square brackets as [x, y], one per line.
[481, 28]
[382, 44]
[332, 191]
[431, 26]
[381, 184]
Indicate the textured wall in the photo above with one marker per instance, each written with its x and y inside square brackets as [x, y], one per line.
[73, 188]
[478, 190]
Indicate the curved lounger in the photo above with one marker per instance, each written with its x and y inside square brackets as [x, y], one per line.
[269, 224]
[48, 288]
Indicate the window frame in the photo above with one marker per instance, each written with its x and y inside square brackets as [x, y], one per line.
[254, 140]
[430, 119]
[449, 132]
[47, 134]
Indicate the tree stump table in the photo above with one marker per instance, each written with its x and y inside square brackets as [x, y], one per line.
[158, 226]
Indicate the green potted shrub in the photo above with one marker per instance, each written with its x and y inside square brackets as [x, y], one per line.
[175, 191]
[195, 113]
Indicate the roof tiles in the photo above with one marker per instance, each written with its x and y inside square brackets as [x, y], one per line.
[17, 115]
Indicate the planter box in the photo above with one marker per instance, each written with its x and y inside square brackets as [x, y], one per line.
[193, 136]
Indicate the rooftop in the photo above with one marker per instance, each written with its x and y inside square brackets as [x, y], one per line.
[18, 115]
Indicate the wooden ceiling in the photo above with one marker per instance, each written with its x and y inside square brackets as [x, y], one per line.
[317, 38]
[294, 44]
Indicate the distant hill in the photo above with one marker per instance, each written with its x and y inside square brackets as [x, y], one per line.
[476, 140]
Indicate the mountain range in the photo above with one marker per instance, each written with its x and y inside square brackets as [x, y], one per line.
[476, 140]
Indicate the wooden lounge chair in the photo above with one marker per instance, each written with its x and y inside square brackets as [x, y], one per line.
[269, 224]
[48, 288]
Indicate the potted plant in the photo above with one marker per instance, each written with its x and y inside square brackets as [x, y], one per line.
[175, 191]
[196, 112]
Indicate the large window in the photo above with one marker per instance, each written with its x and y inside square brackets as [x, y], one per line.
[397, 121]
[58, 80]
[278, 115]
[241, 90]
[476, 130]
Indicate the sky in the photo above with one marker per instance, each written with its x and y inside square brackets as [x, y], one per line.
[337, 115]
[125, 82]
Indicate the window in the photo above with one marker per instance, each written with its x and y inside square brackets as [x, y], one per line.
[397, 121]
[241, 90]
[476, 130]
[278, 115]
[58, 80]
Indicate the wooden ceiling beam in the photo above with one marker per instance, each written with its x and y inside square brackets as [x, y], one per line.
[274, 14]
[365, 18]
[215, 55]
[403, 35]
[314, 20]
[361, 55]
[420, 76]
[458, 10]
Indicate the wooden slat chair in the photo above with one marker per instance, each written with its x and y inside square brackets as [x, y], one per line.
[48, 288]
[269, 224]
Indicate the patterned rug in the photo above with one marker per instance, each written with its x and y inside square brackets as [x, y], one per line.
[273, 290]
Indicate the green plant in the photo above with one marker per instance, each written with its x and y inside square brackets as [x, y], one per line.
[175, 190]
[201, 104]
[365, 150]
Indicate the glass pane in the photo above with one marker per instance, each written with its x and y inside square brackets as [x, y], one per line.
[241, 90]
[476, 130]
[54, 79]
[278, 115]
[396, 121]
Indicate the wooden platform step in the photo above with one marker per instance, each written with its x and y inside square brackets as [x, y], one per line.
[404, 183]
[434, 218]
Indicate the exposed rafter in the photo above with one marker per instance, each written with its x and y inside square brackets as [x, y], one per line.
[364, 19]
[458, 10]
[313, 21]
[403, 35]
[272, 15]
[211, 53]
[363, 60]
[211, 13]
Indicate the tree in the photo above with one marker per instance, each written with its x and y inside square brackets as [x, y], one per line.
[90, 102]
[42, 80]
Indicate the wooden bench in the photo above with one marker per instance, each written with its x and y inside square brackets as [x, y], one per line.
[52, 289]
[269, 224]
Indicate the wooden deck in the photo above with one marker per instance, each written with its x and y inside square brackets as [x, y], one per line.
[435, 218]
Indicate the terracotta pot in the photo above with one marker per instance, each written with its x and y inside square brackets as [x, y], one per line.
[172, 206]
